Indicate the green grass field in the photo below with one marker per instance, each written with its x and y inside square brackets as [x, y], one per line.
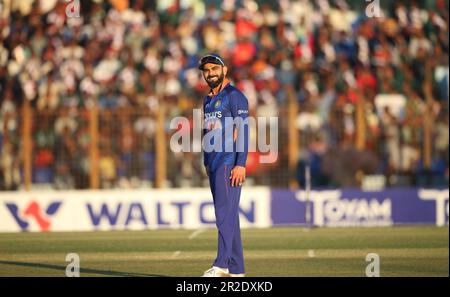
[403, 251]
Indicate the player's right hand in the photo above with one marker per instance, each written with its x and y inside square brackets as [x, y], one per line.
[237, 176]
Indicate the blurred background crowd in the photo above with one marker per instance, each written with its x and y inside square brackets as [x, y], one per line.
[130, 57]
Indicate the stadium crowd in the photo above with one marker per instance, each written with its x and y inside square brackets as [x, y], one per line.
[133, 55]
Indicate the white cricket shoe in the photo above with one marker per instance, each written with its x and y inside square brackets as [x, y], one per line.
[237, 274]
[216, 272]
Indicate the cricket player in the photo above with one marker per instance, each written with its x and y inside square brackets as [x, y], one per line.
[225, 146]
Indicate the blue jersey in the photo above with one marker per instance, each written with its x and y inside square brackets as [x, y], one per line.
[225, 130]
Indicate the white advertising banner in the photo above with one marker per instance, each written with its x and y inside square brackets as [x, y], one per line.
[124, 210]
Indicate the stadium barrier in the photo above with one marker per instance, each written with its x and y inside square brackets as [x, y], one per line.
[193, 208]
[354, 207]
[123, 210]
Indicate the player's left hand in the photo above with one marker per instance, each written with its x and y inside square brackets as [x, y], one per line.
[237, 176]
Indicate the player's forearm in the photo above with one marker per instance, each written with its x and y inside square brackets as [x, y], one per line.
[242, 146]
[241, 159]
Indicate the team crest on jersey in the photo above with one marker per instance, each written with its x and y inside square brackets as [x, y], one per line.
[217, 104]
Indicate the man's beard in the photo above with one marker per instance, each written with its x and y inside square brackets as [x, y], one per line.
[214, 84]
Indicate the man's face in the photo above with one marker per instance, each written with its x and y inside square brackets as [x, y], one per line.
[213, 74]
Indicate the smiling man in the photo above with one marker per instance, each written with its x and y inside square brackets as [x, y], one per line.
[225, 108]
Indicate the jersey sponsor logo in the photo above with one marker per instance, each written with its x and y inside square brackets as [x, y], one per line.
[214, 114]
[242, 111]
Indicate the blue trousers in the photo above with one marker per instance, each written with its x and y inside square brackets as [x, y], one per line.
[226, 206]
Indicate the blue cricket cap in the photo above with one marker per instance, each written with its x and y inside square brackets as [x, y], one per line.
[211, 58]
